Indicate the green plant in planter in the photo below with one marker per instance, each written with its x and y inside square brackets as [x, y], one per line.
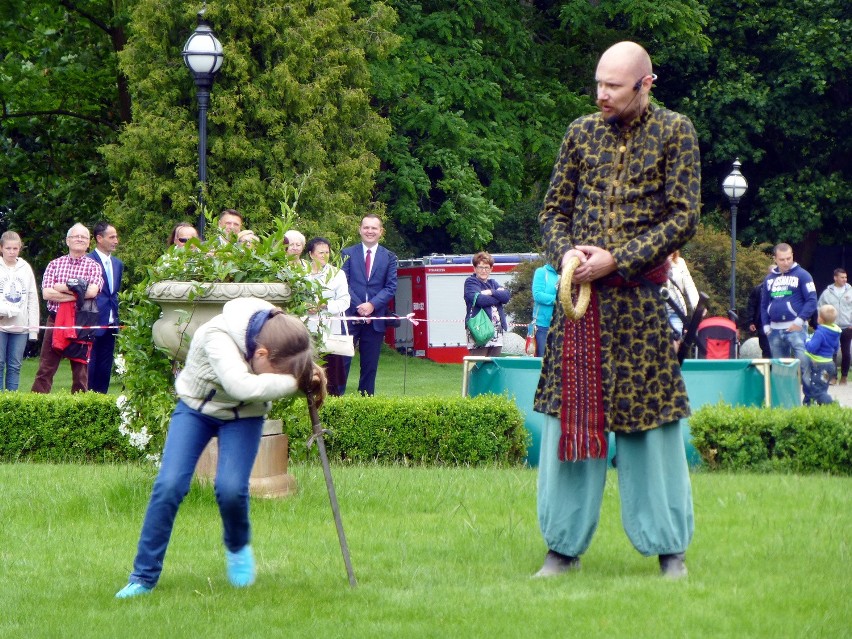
[148, 372]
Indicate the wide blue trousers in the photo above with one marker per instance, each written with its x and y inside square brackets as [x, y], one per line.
[653, 482]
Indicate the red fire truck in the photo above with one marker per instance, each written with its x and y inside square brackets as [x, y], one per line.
[433, 289]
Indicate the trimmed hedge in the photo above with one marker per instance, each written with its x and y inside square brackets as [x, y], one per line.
[61, 427]
[485, 429]
[805, 439]
[488, 429]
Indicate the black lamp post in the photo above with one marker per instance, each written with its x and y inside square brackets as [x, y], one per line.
[202, 53]
[734, 186]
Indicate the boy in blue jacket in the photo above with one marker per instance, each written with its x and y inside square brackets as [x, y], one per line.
[819, 366]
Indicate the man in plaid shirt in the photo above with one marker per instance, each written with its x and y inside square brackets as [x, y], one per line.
[54, 289]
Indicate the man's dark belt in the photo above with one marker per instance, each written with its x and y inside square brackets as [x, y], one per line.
[655, 275]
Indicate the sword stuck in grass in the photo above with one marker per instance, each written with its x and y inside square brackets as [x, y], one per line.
[317, 438]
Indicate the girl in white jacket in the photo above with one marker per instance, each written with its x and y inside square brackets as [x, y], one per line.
[237, 363]
[19, 309]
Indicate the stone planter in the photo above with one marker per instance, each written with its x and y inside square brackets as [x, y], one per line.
[182, 316]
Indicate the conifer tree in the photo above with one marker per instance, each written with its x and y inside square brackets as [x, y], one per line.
[290, 105]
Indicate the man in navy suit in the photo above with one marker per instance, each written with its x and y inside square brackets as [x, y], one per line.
[371, 272]
[112, 268]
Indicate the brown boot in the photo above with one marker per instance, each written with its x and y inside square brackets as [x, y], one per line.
[843, 381]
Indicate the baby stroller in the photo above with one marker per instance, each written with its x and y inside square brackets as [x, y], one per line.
[716, 338]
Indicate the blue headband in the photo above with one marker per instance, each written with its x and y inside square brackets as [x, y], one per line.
[256, 322]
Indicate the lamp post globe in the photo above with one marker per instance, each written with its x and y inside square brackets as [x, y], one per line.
[203, 55]
[734, 187]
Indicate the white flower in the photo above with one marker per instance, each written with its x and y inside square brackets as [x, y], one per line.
[138, 440]
[120, 365]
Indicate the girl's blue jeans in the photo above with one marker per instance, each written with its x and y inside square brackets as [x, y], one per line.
[189, 432]
[12, 346]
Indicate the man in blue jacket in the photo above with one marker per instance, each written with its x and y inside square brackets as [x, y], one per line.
[112, 270]
[787, 303]
[371, 272]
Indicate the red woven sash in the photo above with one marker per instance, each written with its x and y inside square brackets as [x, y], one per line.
[583, 421]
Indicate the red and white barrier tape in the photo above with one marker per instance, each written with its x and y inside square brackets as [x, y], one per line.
[64, 328]
[410, 317]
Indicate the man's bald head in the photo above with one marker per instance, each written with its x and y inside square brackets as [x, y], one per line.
[624, 80]
[630, 57]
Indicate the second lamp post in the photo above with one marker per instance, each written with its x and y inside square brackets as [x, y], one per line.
[734, 186]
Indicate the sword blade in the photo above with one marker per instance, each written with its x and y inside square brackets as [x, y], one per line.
[329, 484]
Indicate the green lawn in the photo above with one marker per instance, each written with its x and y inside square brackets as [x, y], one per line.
[438, 552]
[398, 375]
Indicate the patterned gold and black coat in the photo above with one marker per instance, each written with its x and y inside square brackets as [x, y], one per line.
[634, 191]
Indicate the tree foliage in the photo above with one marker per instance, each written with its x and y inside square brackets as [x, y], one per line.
[444, 115]
[61, 96]
[477, 114]
[291, 100]
[708, 255]
[773, 90]
[668, 29]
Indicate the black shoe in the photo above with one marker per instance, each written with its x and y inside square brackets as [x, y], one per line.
[672, 566]
[556, 563]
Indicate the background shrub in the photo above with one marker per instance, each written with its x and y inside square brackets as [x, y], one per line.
[802, 439]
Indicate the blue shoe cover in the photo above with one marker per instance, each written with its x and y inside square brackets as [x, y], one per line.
[132, 590]
[240, 567]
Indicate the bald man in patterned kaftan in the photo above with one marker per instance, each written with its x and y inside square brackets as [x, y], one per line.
[624, 194]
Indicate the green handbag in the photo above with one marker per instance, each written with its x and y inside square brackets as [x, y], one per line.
[480, 325]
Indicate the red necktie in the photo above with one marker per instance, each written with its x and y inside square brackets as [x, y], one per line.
[368, 262]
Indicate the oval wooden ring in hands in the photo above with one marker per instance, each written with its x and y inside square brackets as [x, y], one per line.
[573, 312]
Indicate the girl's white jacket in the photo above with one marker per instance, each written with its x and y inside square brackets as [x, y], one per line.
[217, 379]
[19, 310]
[682, 279]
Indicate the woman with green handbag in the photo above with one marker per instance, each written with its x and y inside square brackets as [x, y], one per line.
[484, 298]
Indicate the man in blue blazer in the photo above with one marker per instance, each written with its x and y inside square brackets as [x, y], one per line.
[112, 269]
[371, 272]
